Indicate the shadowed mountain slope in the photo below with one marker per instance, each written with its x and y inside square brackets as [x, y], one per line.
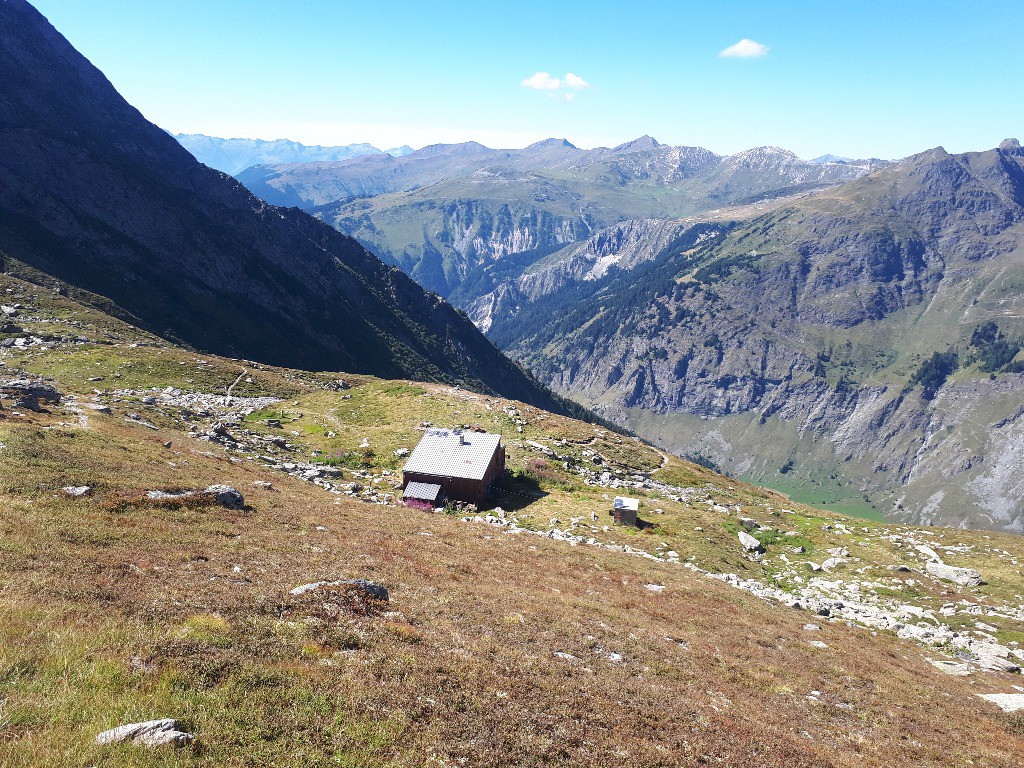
[97, 197]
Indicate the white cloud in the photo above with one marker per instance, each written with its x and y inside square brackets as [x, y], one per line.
[745, 49]
[542, 81]
[575, 81]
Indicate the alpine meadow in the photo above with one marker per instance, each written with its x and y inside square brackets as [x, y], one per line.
[349, 419]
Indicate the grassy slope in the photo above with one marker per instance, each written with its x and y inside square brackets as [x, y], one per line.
[117, 609]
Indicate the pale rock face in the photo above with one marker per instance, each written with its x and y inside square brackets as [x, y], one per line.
[1008, 702]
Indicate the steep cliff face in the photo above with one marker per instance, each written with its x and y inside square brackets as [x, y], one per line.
[97, 197]
[789, 348]
[619, 247]
[462, 247]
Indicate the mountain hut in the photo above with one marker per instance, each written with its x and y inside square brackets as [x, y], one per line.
[466, 465]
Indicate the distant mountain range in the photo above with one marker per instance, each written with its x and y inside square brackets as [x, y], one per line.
[234, 155]
[869, 163]
[109, 206]
[463, 219]
[860, 346]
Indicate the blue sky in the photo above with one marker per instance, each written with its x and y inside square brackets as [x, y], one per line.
[861, 79]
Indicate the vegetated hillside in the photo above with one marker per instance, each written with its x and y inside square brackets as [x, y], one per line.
[859, 346]
[534, 635]
[98, 198]
[464, 219]
[234, 155]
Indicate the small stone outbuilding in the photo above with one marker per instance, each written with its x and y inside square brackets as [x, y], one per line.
[624, 510]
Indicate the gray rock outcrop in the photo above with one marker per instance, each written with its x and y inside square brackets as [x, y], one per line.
[151, 733]
[28, 393]
[1008, 702]
[226, 496]
[967, 577]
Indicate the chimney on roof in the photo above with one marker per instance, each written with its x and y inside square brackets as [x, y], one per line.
[462, 439]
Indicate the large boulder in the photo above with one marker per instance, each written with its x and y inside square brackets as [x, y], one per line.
[749, 543]
[151, 733]
[226, 496]
[967, 577]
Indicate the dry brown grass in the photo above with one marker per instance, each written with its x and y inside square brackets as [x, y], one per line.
[116, 608]
[120, 608]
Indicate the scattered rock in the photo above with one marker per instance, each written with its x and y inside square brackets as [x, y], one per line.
[749, 524]
[371, 588]
[152, 733]
[77, 490]
[812, 628]
[966, 577]
[995, 663]
[832, 563]
[655, 587]
[164, 495]
[817, 643]
[749, 543]
[97, 407]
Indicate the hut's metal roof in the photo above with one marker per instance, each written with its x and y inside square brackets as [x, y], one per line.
[441, 454]
[422, 491]
[625, 502]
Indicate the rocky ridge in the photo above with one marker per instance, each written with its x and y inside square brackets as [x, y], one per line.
[466, 219]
